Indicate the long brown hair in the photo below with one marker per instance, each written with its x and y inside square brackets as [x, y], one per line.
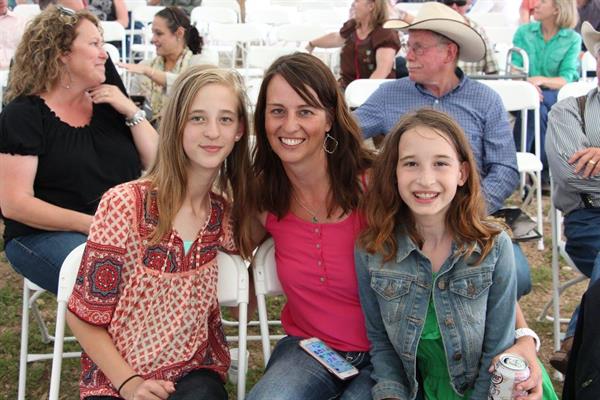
[303, 71]
[37, 66]
[168, 174]
[385, 210]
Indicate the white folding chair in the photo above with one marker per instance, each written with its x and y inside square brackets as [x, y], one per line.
[558, 251]
[488, 19]
[27, 11]
[3, 83]
[233, 289]
[359, 90]
[266, 284]
[482, 7]
[31, 293]
[145, 16]
[259, 58]
[273, 15]
[228, 38]
[113, 31]
[576, 89]
[297, 34]
[588, 63]
[523, 96]
[203, 16]
[231, 4]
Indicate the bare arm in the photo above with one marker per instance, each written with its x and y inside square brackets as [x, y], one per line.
[157, 76]
[550, 83]
[121, 11]
[99, 346]
[384, 61]
[18, 201]
[330, 40]
[144, 135]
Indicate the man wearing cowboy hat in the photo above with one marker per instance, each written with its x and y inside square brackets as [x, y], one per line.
[438, 38]
[573, 149]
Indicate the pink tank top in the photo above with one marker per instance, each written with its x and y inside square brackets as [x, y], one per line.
[315, 265]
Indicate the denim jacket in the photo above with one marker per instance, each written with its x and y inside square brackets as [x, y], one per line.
[475, 307]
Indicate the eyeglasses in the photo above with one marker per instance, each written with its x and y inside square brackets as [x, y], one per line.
[459, 3]
[417, 49]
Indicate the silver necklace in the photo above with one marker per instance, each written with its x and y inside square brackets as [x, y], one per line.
[313, 214]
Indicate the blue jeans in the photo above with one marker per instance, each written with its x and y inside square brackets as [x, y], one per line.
[38, 257]
[292, 374]
[549, 100]
[582, 229]
[523, 275]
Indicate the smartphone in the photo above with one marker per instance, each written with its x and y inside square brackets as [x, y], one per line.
[330, 359]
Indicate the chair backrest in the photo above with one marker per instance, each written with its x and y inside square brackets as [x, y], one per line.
[266, 281]
[359, 90]
[233, 286]
[489, 19]
[68, 273]
[263, 56]
[237, 33]
[501, 34]
[588, 63]
[27, 11]
[231, 4]
[203, 16]
[298, 32]
[515, 95]
[273, 15]
[112, 51]
[133, 4]
[113, 31]
[576, 89]
[144, 14]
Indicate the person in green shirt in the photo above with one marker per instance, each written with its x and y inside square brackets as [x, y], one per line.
[553, 48]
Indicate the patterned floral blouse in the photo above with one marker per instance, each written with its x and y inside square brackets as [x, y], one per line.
[158, 304]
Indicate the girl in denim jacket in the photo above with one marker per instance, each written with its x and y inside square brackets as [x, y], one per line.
[436, 278]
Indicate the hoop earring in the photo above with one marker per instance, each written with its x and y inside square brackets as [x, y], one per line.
[326, 144]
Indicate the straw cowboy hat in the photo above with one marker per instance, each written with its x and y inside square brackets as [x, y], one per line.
[591, 38]
[441, 19]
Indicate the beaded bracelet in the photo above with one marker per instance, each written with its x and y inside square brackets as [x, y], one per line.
[127, 380]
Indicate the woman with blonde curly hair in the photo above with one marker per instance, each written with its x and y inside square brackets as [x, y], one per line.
[368, 50]
[65, 138]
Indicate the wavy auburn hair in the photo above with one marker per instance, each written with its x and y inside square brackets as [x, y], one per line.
[304, 72]
[168, 174]
[384, 209]
[37, 66]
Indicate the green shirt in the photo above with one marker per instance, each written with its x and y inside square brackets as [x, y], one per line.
[557, 57]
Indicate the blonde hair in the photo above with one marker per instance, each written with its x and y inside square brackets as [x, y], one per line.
[37, 66]
[567, 13]
[168, 174]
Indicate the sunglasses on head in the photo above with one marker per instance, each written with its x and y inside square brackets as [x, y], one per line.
[459, 3]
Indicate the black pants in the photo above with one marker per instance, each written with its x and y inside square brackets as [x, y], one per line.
[201, 384]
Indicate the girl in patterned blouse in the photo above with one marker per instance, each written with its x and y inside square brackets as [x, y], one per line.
[144, 307]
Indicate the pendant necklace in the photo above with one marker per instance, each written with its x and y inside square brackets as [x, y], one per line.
[313, 214]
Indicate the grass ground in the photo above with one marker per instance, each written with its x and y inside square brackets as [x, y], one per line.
[38, 373]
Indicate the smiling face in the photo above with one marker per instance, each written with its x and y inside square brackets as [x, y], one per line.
[295, 130]
[165, 41]
[426, 57]
[85, 61]
[428, 173]
[212, 128]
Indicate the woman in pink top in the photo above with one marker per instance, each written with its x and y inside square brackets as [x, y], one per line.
[309, 162]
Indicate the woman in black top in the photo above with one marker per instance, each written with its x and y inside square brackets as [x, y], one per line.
[65, 138]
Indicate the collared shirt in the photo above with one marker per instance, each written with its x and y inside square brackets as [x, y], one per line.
[475, 307]
[556, 57]
[564, 137]
[477, 109]
[11, 30]
[488, 64]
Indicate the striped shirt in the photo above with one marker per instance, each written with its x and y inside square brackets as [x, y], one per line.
[476, 108]
[564, 137]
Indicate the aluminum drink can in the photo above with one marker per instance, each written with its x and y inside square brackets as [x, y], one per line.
[510, 370]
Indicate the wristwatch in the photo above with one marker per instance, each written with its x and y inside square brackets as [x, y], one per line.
[138, 117]
[519, 333]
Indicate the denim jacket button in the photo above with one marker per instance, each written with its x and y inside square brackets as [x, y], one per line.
[442, 285]
[457, 357]
[449, 322]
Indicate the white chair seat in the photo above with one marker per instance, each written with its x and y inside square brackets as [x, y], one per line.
[528, 162]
